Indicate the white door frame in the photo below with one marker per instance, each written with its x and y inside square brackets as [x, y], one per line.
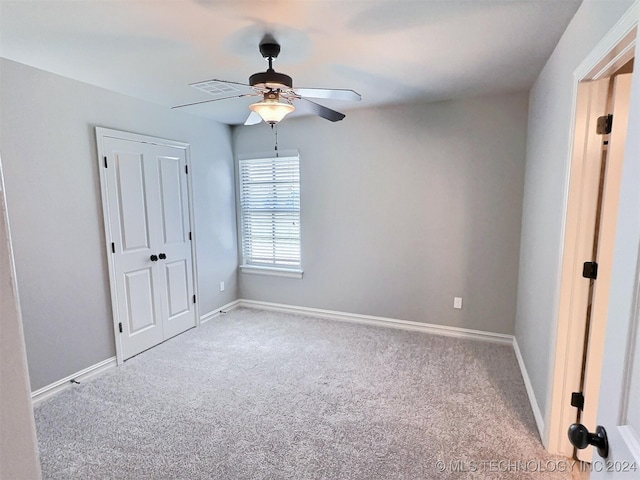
[613, 51]
[134, 137]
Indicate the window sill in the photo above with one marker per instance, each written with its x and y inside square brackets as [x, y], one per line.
[273, 271]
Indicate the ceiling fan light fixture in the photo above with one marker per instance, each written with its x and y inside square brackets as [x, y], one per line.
[271, 109]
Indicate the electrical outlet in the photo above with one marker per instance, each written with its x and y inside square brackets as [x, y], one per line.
[222, 286]
[457, 303]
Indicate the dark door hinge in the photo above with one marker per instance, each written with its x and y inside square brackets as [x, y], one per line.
[590, 270]
[105, 162]
[189, 235]
[194, 299]
[186, 169]
[577, 400]
[113, 247]
[604, 125]
[120, 327]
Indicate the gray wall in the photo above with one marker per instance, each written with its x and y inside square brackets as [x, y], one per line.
[53, 192]
[545, 185]
[404, 208]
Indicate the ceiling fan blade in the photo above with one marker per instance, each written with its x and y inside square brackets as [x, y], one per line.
[216, 99]
[220, 81]
[253, 118]
[328, 93]
[320, 110]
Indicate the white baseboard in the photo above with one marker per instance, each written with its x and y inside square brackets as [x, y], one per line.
[82, 375]
[382, 321]
[216, 313]
[537, 413]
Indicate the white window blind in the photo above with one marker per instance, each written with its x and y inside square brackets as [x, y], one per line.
[270, 212]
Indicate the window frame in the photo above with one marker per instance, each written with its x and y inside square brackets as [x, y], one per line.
[256, 269]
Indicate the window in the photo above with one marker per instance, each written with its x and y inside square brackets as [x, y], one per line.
[270, 215]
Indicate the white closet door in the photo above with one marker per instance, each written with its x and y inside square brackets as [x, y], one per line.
[147, 198]
[176, 269]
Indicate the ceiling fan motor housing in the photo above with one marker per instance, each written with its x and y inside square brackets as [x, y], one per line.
[271, 80]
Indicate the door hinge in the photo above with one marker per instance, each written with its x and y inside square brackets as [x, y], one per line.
[120, 327]
[113, 247]
[186, 169]
[189, 235]
[604, 125]
[194, 299]
[105, 162]
[577, 400]
[590, 270]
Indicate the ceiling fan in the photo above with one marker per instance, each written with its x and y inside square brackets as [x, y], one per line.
[277, 92]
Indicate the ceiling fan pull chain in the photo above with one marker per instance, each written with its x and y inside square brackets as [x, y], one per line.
[274, 127]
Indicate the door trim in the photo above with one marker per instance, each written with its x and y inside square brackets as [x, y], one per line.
[102, 133]
[613, 51]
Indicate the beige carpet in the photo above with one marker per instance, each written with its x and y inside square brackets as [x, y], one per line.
[260, 395]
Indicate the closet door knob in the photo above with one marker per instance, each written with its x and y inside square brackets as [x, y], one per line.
[580, 438]
[162, 256]
[153, 258]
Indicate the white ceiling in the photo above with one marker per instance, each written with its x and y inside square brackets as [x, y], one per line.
[389, 51]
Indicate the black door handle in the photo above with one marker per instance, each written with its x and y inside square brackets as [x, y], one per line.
[580, 438]
[153, 258]
[162, 256]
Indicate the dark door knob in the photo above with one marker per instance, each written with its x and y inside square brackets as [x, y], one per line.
[162, 256]
[580, 438]
[153, 258]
